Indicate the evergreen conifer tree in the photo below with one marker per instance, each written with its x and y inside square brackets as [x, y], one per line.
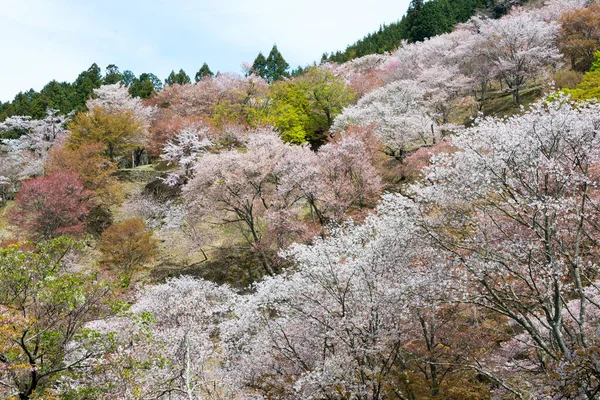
[259, 67]
[202, 72]
[145, 86]
[85, 84]
[276, 66]
[180, 78]
[112, 75]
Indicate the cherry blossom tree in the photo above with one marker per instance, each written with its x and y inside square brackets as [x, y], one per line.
[116, 98]
[9, 178]
[401, 119]
[29, 151]
[348, 176]
[518, 47]
[554, 9]
[166, 345]
[203, 98]
[265, 188]
[516, 206]
[184, 151]
[237, 187]
[445, 50]
[424, 83]
[363, 74]
[337, 323]
[166, 127]
[159, 215]
[300, 179]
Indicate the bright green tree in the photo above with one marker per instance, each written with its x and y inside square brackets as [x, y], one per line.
[44, 306]
[588, 89]
[327, 94]
[596, 62]
[304, 109]
[289, 112]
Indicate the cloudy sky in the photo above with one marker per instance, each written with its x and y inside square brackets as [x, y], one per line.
[57, 39]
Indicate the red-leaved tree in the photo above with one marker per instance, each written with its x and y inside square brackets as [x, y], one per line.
[51, 206]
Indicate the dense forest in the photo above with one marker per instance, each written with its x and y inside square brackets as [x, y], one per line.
[417, 221]
[424, 19]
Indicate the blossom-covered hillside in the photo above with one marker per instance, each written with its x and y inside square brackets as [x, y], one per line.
[420, 224]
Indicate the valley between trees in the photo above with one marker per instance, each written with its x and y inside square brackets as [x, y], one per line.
[417, 224]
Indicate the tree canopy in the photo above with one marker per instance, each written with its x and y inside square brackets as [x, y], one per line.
[202, 72]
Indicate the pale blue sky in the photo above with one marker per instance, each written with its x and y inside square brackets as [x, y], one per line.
[57, 39]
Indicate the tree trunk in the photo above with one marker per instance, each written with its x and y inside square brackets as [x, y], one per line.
[517, 96]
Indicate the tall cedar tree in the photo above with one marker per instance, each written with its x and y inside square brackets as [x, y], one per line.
[180, 78]
[276, 66]
[62, 96]
[422, 20]
[259, 67]
[202, 72]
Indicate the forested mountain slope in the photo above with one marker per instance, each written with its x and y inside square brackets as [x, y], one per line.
[423, 19]
[421, 224]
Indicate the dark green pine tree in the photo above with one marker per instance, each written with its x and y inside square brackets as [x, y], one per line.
[415, 24]
[127, 78]
[259, 66]
[112, 75]
[59, 96]
[85, 84]
[276, 66]
[4, 107]
[436, 18]
[202, 72]
[145, 86]
[424, 19]
[180, 78]
[300, 70]
[26, 103]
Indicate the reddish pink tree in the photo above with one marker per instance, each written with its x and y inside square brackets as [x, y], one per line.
[51, 206]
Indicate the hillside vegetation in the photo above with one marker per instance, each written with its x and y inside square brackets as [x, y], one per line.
[419, 224]
[424, 19]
